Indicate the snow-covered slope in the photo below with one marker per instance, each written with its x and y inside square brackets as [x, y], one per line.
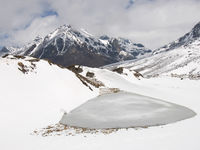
[180, 58]
[32, 93]
[27, 79]
[67, 46]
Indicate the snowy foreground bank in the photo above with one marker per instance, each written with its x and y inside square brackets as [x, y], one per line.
[32, 101]
[125, 110]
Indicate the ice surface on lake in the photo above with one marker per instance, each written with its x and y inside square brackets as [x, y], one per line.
[123, 110]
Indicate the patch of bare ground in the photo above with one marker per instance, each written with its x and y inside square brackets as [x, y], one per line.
[75, 68]
[59, 129]
[88, 82]
[108, 90]
[81, 78]
[22, 67]
[14, 56]
[63, 130]
[25, 68]
[119, 70]
[19, 57]
[138, 75]
[90, 74]
[185, 76]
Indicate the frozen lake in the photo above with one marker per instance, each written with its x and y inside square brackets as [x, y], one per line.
[124, 110]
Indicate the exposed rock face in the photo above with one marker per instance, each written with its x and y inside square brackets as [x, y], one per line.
[4, 51]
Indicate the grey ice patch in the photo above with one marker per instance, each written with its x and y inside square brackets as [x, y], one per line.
[124, 110]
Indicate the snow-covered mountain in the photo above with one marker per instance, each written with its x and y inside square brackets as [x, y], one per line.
[178, 59]
[183, 41]
[67, 46]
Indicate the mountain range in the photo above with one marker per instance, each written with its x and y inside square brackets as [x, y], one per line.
[180, 58]
[68, 46]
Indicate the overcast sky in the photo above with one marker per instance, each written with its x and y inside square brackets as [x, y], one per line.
[151, 22]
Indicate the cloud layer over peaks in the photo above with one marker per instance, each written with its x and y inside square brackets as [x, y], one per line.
[151, 22]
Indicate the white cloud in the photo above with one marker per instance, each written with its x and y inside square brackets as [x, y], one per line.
[151, 22]
[39, 27]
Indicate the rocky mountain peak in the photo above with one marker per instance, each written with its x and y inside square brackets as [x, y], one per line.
[38, 39]
[196, 31]
[185, 40]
